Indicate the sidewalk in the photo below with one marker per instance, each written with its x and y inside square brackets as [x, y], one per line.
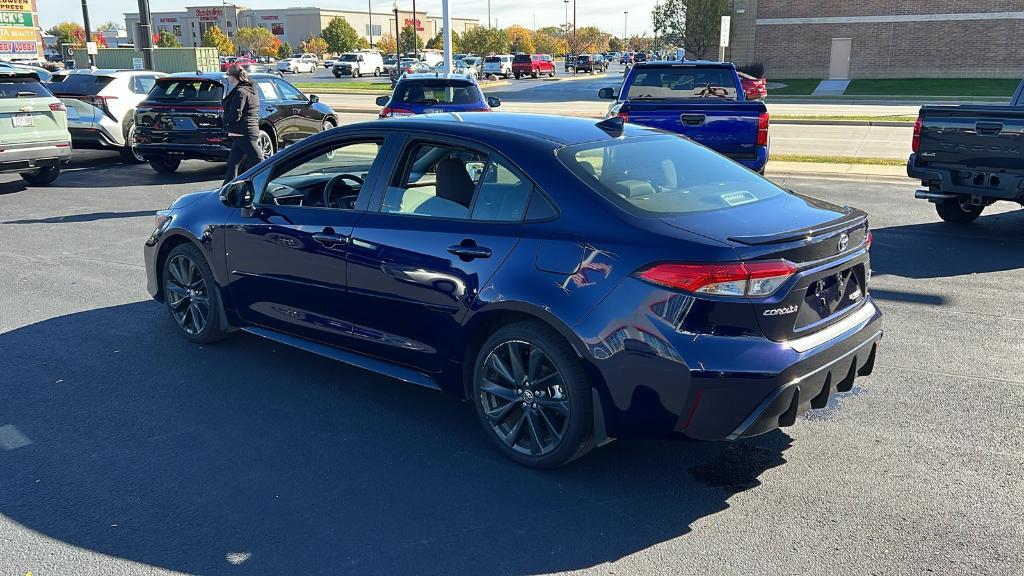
[854, 172]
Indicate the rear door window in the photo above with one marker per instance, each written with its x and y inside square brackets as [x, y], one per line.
[661, 83]
[80, 84]
[22, 88]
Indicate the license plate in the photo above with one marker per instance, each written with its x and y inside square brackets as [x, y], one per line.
[23, 121]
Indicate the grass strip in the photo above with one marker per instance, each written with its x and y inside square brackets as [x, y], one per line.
[837, 160]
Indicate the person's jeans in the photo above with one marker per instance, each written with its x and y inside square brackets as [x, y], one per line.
[245, 153]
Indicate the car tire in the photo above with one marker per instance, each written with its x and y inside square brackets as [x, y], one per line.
[551, 74]
[42, 177]
[355, 72]
[337, 74]
[954, 212]
[518, 75]
[327, 124]
[376, 72]
[128, 154]
[165, 165]
[191, 295]
[266, 142]
[557, 425]
[535, 74]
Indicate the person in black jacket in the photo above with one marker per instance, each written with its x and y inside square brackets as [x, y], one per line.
[242, 122]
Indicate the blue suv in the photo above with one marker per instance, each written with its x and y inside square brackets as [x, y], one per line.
[433, 92]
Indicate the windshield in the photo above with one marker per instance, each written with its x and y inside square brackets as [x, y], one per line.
[437, 92]
[79, 84]
[187, 90]
[680, 82]
[522, 58]
[349, 58]
[21, 88]
[664, 175]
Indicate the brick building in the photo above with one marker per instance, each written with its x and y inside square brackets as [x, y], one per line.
[879, 38]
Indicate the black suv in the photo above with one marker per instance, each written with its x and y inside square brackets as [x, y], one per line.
[591, 63]
[182, 118]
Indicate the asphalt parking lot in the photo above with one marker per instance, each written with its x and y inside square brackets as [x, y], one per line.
[127, 450]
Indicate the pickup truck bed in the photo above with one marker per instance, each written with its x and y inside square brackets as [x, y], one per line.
[968, 157]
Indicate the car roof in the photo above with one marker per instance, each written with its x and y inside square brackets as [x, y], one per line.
[215, 76]
[553, 131]
[686, 63]
[18, 72]
[437, 76]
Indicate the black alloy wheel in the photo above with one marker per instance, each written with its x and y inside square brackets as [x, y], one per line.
[265, 143]
[191, 294]
[533, 397]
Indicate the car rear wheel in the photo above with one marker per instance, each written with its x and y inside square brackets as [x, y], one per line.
[337, 74]
[266, 143]
[130, 154]
[376, 72]
[165, 165]
[533, 396]
[535, 73]
[957, 212]
[42, 177]
[191, 294]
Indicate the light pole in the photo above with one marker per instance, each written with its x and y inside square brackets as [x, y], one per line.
[488, 13]
[88, 30]
[566, 14]
[398, 35]
[625, 24]
[415, 32]
[369, 16]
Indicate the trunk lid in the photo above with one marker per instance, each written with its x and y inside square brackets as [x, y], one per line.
[824, 241]
[182, 111]
[726, 127]
[26, 116]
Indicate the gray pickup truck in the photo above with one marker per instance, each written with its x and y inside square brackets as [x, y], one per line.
[968, 157]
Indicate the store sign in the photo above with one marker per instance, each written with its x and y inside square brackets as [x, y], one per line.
[168, 19]
[17, 47]
[23, 19]
[270, 18]
[207, 14]
[418, 22]
[16, 6]
[19, 35]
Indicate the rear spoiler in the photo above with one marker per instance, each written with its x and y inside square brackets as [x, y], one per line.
[852, 219]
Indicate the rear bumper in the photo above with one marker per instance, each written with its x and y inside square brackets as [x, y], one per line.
[755, 163]
[655, 380]
[94, 139]
[968, 181]
[211, 152]
[27, 157]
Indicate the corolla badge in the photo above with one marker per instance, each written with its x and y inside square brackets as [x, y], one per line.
[780, 311]
[844, 241]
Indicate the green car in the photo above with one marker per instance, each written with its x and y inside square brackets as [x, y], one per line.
[34, 137]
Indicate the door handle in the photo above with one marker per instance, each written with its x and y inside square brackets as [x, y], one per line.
[692, 119]
[329, 238]
[467, 251]
[989, 128]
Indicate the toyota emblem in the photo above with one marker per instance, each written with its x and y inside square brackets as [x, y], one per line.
[844, 241]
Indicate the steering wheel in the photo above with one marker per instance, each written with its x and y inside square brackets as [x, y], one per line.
[329, 188]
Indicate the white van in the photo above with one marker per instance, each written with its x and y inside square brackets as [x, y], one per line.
[500, 65]
[358, 64]
[427, 57]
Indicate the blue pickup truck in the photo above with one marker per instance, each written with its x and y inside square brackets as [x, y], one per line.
[703, 101]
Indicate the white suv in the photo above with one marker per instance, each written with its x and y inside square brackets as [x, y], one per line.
[299, 63]
[500, 65]
[101, 106]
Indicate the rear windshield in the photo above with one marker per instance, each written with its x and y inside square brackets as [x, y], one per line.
[522, 58]
[187, 90]
[437, 92]
[661, 176]
[682, 82]
[22, 88]
[583, 58]
[79, 84]
[492, 59]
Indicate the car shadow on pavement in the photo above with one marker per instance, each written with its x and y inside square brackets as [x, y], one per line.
[90, 217]
[992, 243]
[119, 437]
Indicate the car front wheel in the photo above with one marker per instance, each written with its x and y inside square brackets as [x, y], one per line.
[533, 396]
[191, 294]
[165, 165]
[956, 212]
[266, 143]
[130, 154]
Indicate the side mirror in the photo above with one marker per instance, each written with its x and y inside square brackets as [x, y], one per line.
[493, 101]
[383, 100]
[313, 98]
[237, 194]
[606, 93]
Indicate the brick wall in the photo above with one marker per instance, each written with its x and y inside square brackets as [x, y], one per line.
[964, 48]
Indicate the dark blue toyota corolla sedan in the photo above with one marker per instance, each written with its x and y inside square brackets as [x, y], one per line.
[576, 281]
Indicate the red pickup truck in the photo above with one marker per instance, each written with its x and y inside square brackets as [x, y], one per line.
[533, 65]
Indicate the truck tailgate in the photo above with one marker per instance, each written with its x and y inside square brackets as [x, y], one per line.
[729, 128]
[982, 137]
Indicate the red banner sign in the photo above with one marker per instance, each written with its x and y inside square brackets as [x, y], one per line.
[168, 19]
[269, 18]
[418, 22]
[18, 47]
[207, 14]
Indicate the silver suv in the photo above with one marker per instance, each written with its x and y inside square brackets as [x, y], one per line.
[101, 106]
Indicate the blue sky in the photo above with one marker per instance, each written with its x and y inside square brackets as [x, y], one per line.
[605, 14]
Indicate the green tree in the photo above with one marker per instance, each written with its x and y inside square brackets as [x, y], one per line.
[257, 40]
[482, 40]
[549, 44]
[587, 39]
[556, 31]
[67, 33]
[167, 40]
[409, 39]
[285, 50]
[313, 45]
[214, 38]
[615, 44]
[520, 39]
[692, 24]
[437, 42]
[340, 36]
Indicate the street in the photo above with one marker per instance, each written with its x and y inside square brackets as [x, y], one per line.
[127, 450]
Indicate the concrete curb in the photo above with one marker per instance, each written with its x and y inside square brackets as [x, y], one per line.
[784, 174]
[894, 123]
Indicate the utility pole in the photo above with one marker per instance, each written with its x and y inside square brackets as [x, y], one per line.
[398, 35]
[446, 21]
[145, 40]
[575, 42]
[566, 2]
[369, 15]
[415, 31]
[88, 30]
[488, 13]
[625, 24]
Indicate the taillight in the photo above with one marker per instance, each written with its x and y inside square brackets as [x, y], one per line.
[762, 129]
[623, 114]
[871, 238]
[58, 107]
[390, 112]
[916, 144]
[750, 279]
